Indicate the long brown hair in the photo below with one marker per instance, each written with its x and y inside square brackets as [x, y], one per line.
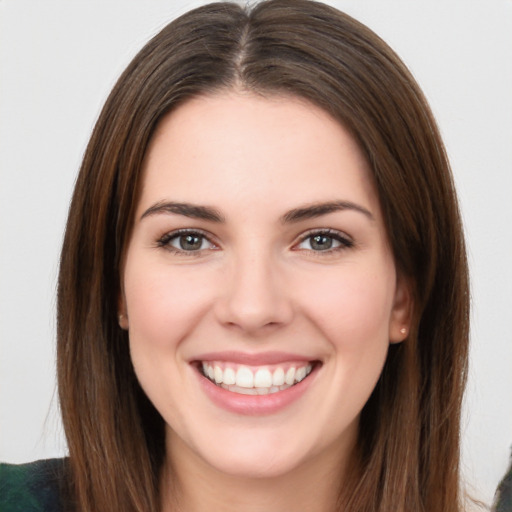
[409, 429]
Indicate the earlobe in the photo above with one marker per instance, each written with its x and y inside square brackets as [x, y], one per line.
[122, 317]
[123, 321]
[401, 314]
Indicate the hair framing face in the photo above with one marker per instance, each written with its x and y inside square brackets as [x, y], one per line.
[409, 431]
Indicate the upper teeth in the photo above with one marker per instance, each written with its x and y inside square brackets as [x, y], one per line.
[248, 377]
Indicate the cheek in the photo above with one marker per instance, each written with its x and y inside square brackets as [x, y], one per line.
[352, 314]
[352, 307]
[163, 305]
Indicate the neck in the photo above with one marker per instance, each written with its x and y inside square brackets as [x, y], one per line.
[192, 485]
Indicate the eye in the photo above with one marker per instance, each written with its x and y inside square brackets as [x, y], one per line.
[186, 241]
[325, 241]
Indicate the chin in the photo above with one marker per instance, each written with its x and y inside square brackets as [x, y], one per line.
[256, 465]
[246, 453]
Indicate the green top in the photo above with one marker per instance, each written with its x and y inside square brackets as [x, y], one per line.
[32, 487]
[36, 487]
[504, 493]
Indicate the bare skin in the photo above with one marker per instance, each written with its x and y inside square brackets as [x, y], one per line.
[258, 237]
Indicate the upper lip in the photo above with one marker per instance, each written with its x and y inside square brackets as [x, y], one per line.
[253, 359]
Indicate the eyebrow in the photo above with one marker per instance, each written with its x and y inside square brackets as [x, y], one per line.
[186, 209]
[319, 209]
[296, 215]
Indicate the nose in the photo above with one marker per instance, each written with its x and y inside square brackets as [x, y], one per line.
[255, 299]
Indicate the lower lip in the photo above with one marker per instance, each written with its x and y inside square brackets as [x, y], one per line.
[255, 405]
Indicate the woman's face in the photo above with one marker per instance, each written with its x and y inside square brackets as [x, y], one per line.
[259, 289]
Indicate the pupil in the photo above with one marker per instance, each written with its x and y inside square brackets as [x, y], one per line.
[190, 242]
[320, 242]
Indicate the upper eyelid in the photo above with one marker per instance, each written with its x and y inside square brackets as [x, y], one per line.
[183, 231]
[325, 231]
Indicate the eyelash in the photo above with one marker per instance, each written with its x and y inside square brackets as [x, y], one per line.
[165, 241]
[344, 241]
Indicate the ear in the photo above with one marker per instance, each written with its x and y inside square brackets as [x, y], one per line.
[401, 314]
[122, 314]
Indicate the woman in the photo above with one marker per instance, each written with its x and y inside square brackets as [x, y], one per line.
[265, 196]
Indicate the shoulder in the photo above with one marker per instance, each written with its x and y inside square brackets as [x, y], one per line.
[504, 493]
[32, 487]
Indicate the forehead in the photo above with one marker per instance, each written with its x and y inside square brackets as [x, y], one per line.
[240, 147]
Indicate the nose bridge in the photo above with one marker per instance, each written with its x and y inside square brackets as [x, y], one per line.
[256, 295]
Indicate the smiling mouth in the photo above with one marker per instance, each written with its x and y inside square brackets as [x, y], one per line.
[249, 380]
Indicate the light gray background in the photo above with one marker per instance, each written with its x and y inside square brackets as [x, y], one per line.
[58, 61]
